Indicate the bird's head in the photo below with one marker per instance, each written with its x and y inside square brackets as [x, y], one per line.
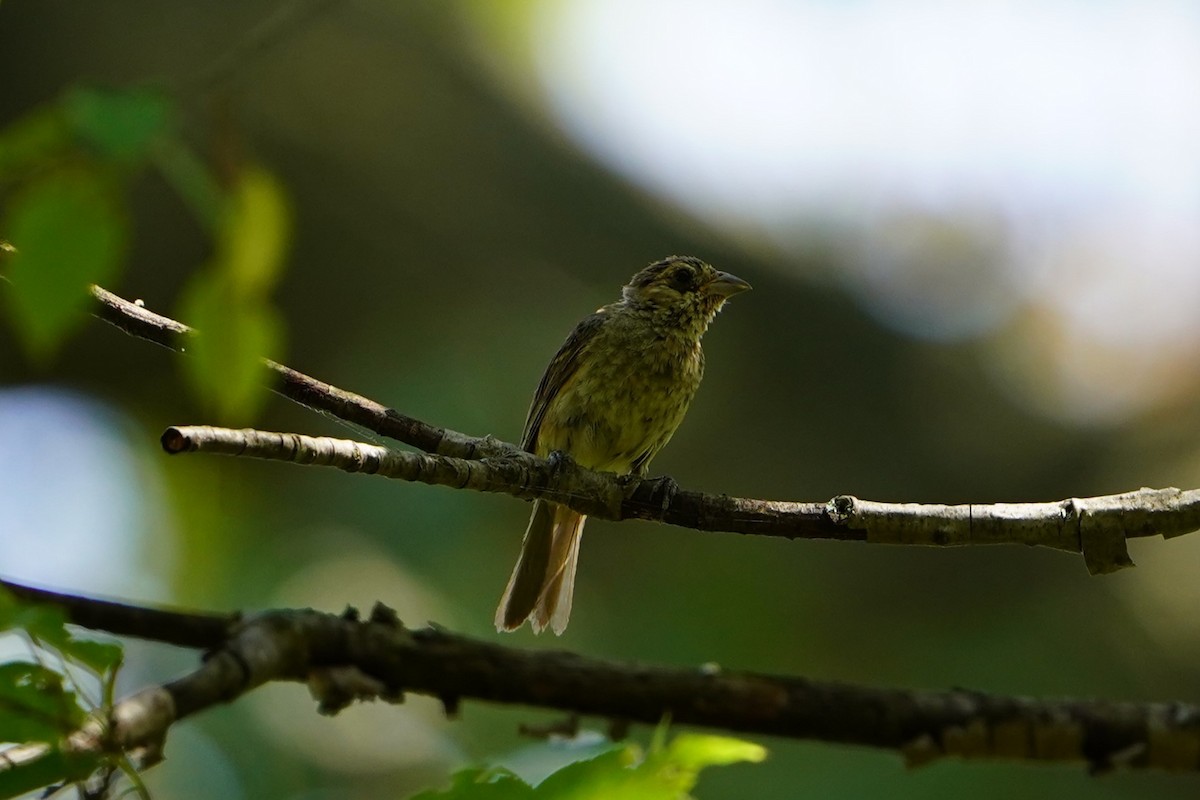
[682, 288]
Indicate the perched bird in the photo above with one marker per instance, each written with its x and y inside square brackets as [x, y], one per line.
[611, 398]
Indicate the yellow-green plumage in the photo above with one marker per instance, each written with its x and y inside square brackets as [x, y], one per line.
[611, 399]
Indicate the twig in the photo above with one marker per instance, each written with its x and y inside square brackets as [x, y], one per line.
[921, 725]
[137, 320]
[1095, 527]
[390, 659]
[182, 628]
[523, 475]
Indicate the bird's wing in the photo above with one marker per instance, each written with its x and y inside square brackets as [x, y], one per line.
[558, 374]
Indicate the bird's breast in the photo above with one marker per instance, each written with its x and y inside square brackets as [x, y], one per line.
[625, 400]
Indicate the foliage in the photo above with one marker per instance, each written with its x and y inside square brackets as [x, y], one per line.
[65, 169]
[43, 701]
[70, 232]
[229, 300]
[666, 772]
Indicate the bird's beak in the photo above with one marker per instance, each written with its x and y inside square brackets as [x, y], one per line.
[726, 285]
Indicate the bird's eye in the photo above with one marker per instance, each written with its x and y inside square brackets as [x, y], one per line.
[683, 279]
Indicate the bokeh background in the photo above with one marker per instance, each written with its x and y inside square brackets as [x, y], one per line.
[974, 235]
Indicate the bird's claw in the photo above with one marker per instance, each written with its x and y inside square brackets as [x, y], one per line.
[663, 491]
[560, 459]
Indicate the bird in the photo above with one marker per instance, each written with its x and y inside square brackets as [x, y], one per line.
[610, 399]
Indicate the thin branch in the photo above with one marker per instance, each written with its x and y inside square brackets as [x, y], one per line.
[385, 659]
[136, 320]
[523, 475]
[520, 474]
[1095, 527]
[343, 658]
[182, 628]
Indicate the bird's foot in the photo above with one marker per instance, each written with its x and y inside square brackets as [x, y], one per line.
[562, 468]
[662, 491]
[560, 460]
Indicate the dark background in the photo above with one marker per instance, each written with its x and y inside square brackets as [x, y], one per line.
[447, 236]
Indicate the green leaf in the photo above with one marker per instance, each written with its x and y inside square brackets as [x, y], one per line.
[68, 232]
[32, 140]
[39, 620]
[668, 773]
[477, 783]
[34, 705]
[99, 657]
[612, 774]
[224, 369]
[54, 767]
[695, 751]
[254, 234]
[678, 765]
[120, 124]
[228, 302]
[47, 626]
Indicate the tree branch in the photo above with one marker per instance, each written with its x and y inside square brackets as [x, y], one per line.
[182, 628]
[523, 475]
[136, 320]
[1095, 527]
[344, 658]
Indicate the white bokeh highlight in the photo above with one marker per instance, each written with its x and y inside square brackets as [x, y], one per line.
[78, 503]
[1066, 133]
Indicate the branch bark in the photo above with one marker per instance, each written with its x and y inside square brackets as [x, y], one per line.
[344, 658]
[1095, 527]
[181, 628]
[136, 320]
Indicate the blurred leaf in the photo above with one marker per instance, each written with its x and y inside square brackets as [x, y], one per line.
[34, 705]
[695, 751]
[254, 233]
[224, 369]
[668, 773]
[68, 231]
[44, 623]
[99, 657]
[477, 783]
[228, 302]
[120, 124]
[47, 626]
[54, 767]
[612, 774]
[32, 140]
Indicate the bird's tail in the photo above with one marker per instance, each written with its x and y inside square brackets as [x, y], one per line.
[543, 580]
